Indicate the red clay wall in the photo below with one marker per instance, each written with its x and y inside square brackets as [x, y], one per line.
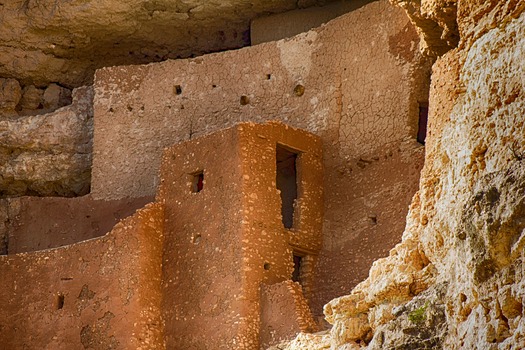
[37, 223]
[270, 242]
[99, 294]
[223, 241]
[284, 313]
[203, 258]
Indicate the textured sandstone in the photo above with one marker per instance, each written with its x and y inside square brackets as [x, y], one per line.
[31, 98]
[55, 96]
[4, 221]
[435, 21]
[10, 94]
[48, 154]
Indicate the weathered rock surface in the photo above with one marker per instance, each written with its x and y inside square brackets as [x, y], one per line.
[10, 94]
[45, 41]
[436, 23]
[457, 281]
[48, 154]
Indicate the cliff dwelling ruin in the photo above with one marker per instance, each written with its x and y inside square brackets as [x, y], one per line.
[262, 175]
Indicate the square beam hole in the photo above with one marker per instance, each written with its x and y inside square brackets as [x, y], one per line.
[197, 183]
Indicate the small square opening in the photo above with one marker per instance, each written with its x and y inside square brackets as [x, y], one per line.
[197, 183]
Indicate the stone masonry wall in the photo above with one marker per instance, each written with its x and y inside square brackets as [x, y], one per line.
[103, 293]
[355, 82]
[226, 239]
[38, 223]
[284, 313]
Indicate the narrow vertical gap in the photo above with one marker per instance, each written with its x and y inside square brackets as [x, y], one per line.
[422, 126]
[60, 301]
[286, 182]
[5, 244]
[296, 275]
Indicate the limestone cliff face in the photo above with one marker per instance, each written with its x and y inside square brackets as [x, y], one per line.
[48, 154]
[457, 280]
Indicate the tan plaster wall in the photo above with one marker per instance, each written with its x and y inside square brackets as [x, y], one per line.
[37, 223]
[227, 239]
[362, 78]
[366, 217]
[110, 290]
[359, 94]
[287, 24]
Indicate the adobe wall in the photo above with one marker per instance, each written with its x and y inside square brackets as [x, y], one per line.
[364, 218]
[99, 294]
[223, 241]
[37, 223]
[355, 82]
[271, 244]
[284, 313]
[202, 262]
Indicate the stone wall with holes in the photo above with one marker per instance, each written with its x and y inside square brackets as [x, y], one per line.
[225, 237]
[356, 82]
[102, 293]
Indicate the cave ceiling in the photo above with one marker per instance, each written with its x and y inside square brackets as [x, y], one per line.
[64, 41]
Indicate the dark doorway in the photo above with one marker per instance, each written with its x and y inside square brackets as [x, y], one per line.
[296, 275]
[423, 119]
[286, 181]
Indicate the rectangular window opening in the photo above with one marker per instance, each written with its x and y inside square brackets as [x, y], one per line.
[296, 275]
[286, 182]
[197, 183]
[422, 126]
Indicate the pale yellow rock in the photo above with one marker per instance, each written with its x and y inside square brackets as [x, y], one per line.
[48, 154]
